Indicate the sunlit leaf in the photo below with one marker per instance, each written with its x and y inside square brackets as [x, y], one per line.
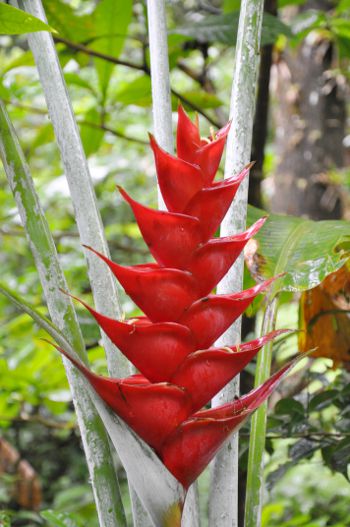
[307, 251]
[14, 21]
[111, 20]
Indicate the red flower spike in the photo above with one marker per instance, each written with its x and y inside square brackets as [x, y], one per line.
[170, 346]
[153, 411]
[211, 204]
[191, 148]
[205, 373]
[209, 317]
[156, 350]
[171, 237]
[163, 294]
[178, 180]
[212, 261]
[195, 442]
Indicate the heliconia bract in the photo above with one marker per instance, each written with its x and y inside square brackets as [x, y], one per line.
[171, 346]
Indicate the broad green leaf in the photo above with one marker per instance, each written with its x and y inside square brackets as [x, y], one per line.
[307, 251]
[14, 21]
[111, 20]
[223, 28]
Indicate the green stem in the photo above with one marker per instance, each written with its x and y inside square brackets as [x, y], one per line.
[95, 442]
[255, 475]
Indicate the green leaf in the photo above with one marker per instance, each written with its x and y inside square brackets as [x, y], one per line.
[223, 28]
[307, 251]
[323, 400]
[111, 21]
[14, 21]
[58, 519]
[290, 407]
[23, 59]
[67, 23]
[137, 92]
[200, 98]
[91, 134]
[283, 3]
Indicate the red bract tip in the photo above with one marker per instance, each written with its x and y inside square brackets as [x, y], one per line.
[152, 410]
[209, 317]
[171, 237]
[178, 180]
[190, 147]
[205, 373]
[211, 204]
[195, 442]
[156, 350]
[163, 294]
[212, 261]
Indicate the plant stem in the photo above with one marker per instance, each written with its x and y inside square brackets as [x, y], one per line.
[95, 441]
[224, 485]
[255, 475]
[158, 45]
[78, 176]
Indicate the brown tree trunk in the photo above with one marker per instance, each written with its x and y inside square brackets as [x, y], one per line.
[310, 128]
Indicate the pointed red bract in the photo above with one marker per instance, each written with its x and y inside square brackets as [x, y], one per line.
[211, 204]
[209, 317]
[163, 294]
[189, 449]
[178, 180]
[172, 238]
[213, 260]
[204, 153]
[205, 373]
[156, 350]
[152, 410]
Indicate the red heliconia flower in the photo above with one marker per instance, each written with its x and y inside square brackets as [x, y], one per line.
[171, 346]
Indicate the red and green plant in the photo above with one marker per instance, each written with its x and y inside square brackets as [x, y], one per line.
[171, 346]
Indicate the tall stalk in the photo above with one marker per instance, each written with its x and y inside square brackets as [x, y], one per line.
[103, 479]
[223, 508]
[78, 176]
[162, 124]
[255, 475]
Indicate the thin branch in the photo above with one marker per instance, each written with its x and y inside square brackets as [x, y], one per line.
[135, 66]
[100, 126]
[58, 235]
[93, 53]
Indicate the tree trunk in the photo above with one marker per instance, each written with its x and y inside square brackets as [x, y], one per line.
[310, 127]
